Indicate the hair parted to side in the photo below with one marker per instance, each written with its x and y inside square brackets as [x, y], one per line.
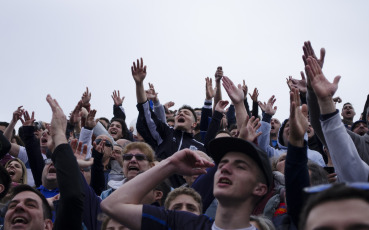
[189, 108]
[183, 191]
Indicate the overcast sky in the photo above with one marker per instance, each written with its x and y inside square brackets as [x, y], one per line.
[60, 47]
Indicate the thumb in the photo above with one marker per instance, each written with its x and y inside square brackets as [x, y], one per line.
[336, 80]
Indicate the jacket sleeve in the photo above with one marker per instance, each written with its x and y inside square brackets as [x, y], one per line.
[314, 114]
[255, 109]
[346, 160]
[4, 145]
[97, 173]
[213, 128]
[231, 116]
[71, 190]
[296, 179]
[159, 111]
[35, 159]
[204, 185]
[118, 112]
[149, 126]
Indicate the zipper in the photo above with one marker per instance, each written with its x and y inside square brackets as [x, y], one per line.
[180, 144]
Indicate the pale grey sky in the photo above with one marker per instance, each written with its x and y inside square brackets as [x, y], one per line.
[60, 47]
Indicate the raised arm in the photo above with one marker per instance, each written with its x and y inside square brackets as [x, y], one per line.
[15, 148]
[68, 174]
[139, 75]
[124, 206]
[118, 110]
[218, 89]
[296, 170]
[159, 110]
[345, 158]
[237, 96]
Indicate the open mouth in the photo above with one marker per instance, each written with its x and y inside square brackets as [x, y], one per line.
[224, 181]
[20, 220]
[11, 172]
[181, 120]
[113, 132]
[133, 168]
[43, 140]
[52, 170]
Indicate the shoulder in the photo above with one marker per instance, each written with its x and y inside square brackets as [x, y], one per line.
[158, 218]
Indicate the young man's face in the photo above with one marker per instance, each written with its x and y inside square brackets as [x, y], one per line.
[275, 125]
[115, 130]
[236, 178]
[25, 211]
[348, 112]
[335, 215]
[185, 203]
[184, 120]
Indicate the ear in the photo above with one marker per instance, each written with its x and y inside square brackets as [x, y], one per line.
[158, 195]
[2, 188]
[260, 189]
[48, 224]
[193, 126]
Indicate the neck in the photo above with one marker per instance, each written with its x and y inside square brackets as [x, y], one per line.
[233, 216]
[273, 136]
[50, 185]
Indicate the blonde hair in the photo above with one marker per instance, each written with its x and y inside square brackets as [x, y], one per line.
[24, 169]
[143, 147]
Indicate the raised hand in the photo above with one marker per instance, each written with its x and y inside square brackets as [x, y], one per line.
[86, 97]
[81, 153]
[75, 115]
[268, 107]
[249, 128]
[210, 92]
[151, 94]
[255, 95]
[118, 101]
[220, 106]
[337, 100]
[301, 85]
[309, 52]
[244, 89]
[99, 147]
[323, 89]
[218, 74]
[138, 71]
[234, 93]
[17, 114]
[27, 120]
[90, 120]
[58, 123]
[298, 119]
[168, 105]
[187, 163]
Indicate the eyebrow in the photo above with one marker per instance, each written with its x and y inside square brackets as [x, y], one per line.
[26, 200]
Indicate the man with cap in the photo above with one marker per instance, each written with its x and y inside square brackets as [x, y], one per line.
[242, 178]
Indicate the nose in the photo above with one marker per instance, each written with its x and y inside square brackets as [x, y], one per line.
[226, 169]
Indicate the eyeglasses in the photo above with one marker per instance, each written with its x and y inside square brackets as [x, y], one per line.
[138, 156]
[323, 187]
[48, 161]
[107, 143]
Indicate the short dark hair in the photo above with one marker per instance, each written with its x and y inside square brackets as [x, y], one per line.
[4, 123]
[189, 108]
[337, 192]
[5, 180]
[45, 205]
[165, 189]
[125, 131]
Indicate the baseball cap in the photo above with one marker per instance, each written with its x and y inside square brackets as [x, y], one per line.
[221, 146]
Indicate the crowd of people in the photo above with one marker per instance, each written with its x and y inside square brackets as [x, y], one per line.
[222, 166]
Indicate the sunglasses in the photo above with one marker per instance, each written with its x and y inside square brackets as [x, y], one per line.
[323, 187]
[138, 156]
[107, 143]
